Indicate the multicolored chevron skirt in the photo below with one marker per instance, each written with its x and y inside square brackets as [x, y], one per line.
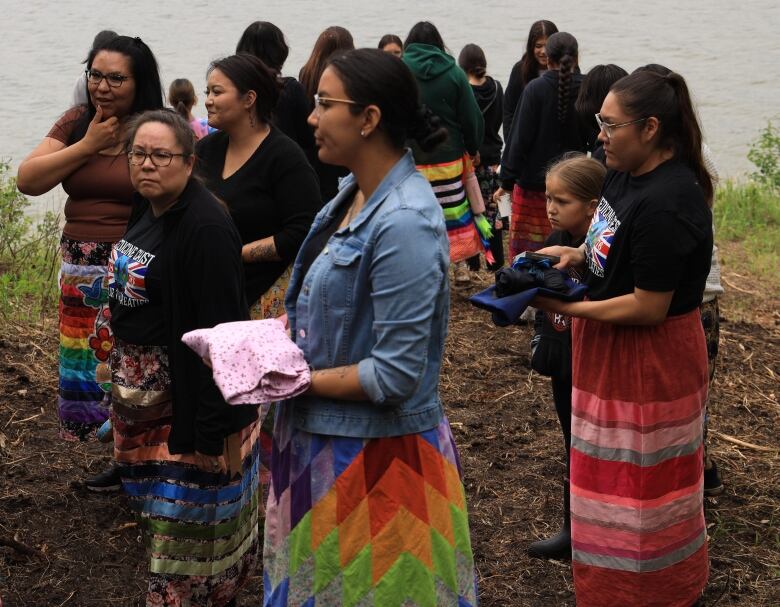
[637, 519]
[446, 179]
[369, 522]
[529, 226]
[85, 338]
[202, 527]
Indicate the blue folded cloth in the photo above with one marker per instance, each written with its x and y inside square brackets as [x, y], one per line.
[507, 310]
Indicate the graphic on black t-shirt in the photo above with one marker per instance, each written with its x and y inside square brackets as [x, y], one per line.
[600, 235]
[127, 269]
[562, 322]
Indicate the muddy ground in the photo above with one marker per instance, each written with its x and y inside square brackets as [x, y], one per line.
[61, 546]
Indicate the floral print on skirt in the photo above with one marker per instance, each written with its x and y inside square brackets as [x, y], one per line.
[201, 527]
[86, 339]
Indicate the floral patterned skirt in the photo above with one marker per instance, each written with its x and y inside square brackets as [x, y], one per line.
[85, 338]
[202, 527]
[271, 303]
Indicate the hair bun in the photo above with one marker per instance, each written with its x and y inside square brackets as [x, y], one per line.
[426, 129]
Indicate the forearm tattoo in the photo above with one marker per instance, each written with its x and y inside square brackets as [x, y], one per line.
[262, 251]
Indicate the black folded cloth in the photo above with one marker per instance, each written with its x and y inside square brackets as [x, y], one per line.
[510, 281]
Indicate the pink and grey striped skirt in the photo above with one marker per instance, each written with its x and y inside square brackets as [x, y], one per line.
[638, 531]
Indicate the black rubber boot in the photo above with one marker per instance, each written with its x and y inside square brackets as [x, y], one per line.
[559, 545]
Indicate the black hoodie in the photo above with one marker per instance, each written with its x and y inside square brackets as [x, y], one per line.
[490, 98]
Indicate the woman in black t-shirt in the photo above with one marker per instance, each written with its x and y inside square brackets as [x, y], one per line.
[270, 189]
[639, 356]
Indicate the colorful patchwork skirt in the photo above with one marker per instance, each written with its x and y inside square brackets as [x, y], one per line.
[637, 518]
[201, 527]
[529, 226]
[369, 522]
[85, 338]
[270, 305]
[446, 179]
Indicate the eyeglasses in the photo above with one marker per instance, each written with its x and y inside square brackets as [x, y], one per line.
[321, 102]
[159, 158]
[609, 128]
[113, 80]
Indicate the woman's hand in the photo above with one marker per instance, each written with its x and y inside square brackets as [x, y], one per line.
[570, 257]
[498, 194]
[101, 134]
[210, 463]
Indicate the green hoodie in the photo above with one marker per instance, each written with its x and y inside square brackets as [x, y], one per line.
[445, 89]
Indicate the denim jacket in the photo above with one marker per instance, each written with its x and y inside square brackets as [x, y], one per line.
[376, 296]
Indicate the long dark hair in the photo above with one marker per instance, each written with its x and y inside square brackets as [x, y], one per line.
[594, 89]
[143, 65]
[374, 77]
[390, 39]
[647, 93]
[529, 67]
[266, 42]
[248, 73]
[425, 32]
[562, 49]
[472, 60]
[332, 40]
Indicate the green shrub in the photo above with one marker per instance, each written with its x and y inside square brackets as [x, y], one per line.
[765, 154]
[29, 256]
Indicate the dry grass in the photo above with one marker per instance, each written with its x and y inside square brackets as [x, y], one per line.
[86, 550]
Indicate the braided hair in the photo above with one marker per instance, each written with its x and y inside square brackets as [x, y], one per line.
[562, 48]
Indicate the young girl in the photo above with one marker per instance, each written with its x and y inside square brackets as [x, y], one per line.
[639, 358]
[572, 191]
[181, 96]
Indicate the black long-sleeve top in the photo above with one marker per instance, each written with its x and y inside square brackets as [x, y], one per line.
[291, 113]
[201, 285]
[512, 94]
[490, 99]
[275, 193]
[537, 137]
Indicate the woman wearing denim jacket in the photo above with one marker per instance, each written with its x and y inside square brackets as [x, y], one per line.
[366, 500]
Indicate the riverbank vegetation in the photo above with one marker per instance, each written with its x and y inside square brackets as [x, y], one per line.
[29, 257]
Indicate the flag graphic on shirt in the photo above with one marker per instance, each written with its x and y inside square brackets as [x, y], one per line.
[600, 235]
[127, 277]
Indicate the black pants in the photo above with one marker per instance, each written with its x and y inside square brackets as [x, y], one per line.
[561, 389]
[497, 248]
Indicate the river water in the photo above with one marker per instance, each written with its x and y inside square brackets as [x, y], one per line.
[728, 51]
